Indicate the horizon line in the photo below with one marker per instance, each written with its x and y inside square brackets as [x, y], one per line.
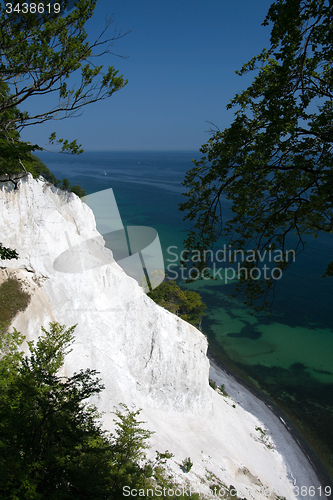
[125, 151]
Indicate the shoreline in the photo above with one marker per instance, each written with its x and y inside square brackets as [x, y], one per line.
[303, 466]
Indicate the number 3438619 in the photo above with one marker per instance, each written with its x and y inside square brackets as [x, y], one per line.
[33, 8]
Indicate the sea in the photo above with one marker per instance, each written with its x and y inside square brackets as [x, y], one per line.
[285, 354]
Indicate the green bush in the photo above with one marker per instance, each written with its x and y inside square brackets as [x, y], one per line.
[187, 464]
[213, 384]
[185, 303]
[222, 389]
[7, 253]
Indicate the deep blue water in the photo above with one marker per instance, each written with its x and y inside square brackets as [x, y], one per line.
[289, 354]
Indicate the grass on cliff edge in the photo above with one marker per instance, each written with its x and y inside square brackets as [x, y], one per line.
[12, 300]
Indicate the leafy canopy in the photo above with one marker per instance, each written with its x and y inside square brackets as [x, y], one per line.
[274, 163]
[187, 304]
[51, 440]
[49, 53]
[49, 437]
[7, 253]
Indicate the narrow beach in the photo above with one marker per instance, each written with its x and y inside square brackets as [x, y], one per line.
[302, 470]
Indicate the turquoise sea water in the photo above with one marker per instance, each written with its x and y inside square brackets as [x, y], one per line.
[288, 355]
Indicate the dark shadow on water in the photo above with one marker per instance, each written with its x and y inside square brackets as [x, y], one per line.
[248, 332]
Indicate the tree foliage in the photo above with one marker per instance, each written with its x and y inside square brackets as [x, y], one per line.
[49, 437]
[48, 53]
[51, 440]
[129, 453]
[185, 303]
[274, 163]
[7, 253]
[52, 444]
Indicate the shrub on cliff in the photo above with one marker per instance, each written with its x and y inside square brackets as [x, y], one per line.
[185, 303]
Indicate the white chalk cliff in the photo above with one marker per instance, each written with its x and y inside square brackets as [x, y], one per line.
[147, 357]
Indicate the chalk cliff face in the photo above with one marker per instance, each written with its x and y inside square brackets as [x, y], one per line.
[147, 357]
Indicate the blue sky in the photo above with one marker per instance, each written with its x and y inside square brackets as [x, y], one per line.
[180, 65]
